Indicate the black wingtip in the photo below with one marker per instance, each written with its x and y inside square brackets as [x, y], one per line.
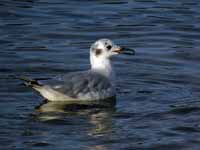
[28, 81]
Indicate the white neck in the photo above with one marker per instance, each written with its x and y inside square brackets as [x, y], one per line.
[103, 66]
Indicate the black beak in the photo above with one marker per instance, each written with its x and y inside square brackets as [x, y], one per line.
[127, 51]
[123, 50]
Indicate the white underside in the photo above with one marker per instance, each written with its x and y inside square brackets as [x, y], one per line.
[52, 95]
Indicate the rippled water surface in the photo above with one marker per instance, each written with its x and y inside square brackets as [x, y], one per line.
[158, 103]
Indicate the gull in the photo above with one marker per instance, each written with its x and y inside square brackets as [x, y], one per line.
[95, 84]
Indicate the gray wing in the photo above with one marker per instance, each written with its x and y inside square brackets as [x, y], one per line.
[79, 82]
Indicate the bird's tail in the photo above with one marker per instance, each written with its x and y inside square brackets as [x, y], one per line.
[30, 82]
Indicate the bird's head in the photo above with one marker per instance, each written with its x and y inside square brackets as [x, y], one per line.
[105, 48]
[102, 50]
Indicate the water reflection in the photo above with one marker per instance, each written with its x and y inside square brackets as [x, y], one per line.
[99, 116]
[102, 122]
[74, 106]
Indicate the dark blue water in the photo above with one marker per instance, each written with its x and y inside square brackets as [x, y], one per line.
[158, 104]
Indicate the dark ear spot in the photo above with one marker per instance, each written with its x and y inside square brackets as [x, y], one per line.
[98, 52]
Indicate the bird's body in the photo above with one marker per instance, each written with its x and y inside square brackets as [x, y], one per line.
[94, 84]
[84, 85]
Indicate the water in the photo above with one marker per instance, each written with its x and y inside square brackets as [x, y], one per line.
[158, 103]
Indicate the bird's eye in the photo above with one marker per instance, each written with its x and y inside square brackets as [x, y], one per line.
[109, 47]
